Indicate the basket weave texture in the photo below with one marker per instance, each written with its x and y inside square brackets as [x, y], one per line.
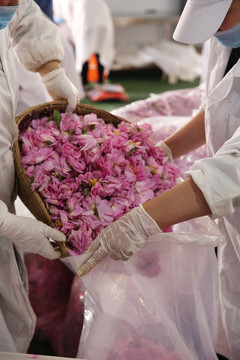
[31, 199]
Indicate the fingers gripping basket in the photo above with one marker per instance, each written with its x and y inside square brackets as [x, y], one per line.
[31, 199]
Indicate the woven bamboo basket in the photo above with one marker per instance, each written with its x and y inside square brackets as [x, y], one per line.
[31, 199]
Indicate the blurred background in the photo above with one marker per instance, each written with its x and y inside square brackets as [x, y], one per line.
[136, 55]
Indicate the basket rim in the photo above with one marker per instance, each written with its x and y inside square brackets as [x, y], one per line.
[52, 105]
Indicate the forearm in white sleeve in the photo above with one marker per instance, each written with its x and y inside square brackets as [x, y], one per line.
[35, 38]
[219, 177]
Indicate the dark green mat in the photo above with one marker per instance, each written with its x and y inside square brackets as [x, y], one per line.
[139, 84]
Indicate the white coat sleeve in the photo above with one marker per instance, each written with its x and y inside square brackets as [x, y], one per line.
[35, 38]
[219, 177]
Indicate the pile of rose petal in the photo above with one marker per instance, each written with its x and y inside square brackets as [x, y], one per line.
[90, 173]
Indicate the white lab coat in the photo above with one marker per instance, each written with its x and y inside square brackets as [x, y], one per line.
[31, 90]
[36, 42]
[219, 179]
[92, 29]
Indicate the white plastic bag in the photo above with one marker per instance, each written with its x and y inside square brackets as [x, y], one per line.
[161, 304]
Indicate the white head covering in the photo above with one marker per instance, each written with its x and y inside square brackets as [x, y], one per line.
[200, 20]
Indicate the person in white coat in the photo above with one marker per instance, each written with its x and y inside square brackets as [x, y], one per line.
[31, 88]
[38, 46]
[212, 185]
[92, 30]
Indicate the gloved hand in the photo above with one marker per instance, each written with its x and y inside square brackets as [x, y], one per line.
[29, 234]
[60, 87]
[166, 149]
[121, 239]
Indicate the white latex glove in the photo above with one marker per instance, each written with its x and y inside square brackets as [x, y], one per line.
[121, 239]
[166, 149]
[30, 235]
[60, 87]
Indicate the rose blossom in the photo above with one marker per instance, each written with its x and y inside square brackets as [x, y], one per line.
[90, 173]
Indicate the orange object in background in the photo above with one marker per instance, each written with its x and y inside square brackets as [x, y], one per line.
[93, 71]
[103, 92]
